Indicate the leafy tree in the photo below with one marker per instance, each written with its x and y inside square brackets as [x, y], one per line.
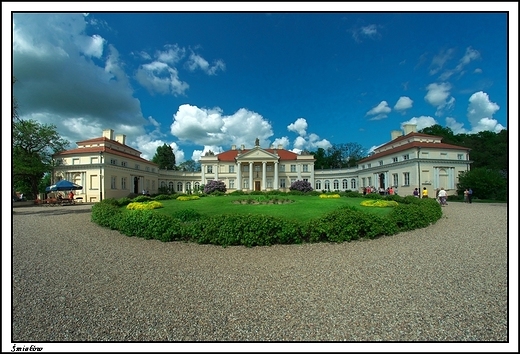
[215, 186]
[189, 166]
[446, 133]
[486, 183]
[302, 186]
[164, 157]
[339, 156]
[34, 145]
[14, 101]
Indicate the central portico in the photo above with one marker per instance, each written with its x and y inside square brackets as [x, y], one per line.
[257, 169]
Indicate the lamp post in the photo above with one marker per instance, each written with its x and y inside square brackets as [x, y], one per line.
[100, 176]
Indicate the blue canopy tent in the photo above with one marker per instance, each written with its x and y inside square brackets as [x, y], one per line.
[63, 185]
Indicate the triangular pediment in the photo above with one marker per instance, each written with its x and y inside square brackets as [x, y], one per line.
[257, 153]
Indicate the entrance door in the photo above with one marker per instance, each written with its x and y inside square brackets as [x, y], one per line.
[382, 180]
[257, 185]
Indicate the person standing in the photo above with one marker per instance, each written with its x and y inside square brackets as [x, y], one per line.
[470, 195]
[416, 193]
[466, 196]
[71, 197]
[425, 193]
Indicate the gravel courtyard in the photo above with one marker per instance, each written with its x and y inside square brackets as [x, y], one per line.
[75, 281]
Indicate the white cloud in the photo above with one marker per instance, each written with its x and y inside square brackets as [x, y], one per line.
[197, 62]
[369, 31]
[440, 60]
[299, 126]
[421, 122]
[284, 141]
[456, 127]
[161, 78]
[380, 111]
[438, 95]
[403, 103]
[58, 81]
[198, 153]
[210, 127]
[480, 113]
[469, 56]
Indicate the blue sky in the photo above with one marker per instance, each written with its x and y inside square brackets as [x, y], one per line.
[205, 81]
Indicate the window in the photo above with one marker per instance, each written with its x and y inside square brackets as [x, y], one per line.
[369, 181]
[305, 168]
[123, 182]
[293, 180]
[246, 184]
[306, 180]
[406, 157]
[257, 168]
[353, 184]
[363, 180]
[269, 168]
[188, 186]
[344, 184]
[137, 167]
[179, 186]
[269, 183]
[327, 185]
[245, 168]
[363, 166]
[336, 184]
[395, 179]
[406, 176]
[444, 154]
[460, 156]
[76, 161]
[209, 169]
[113, 161]
[282, 182]
[282, 168]
[113, 182]
[318, 184]
[147, 168]
[163, 184]
[170, 186]
[123, 163]
[293, 168]
[231, 168]
[369, 165]
[395, 159]
[381, 163]
[196, 186]
[153, 169]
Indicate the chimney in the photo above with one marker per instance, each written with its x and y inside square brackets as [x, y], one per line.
[396, 134]
[409, 128]
[233, 147]
[121, 138]
[242, 147]
[108, 133]
[280, 147]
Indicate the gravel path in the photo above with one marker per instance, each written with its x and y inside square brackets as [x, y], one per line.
[75, 281]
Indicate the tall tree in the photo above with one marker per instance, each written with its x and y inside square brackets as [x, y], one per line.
[34, 144]
[164, 157]
[189, 166]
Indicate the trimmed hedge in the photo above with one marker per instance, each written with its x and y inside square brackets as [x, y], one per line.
[342, 225]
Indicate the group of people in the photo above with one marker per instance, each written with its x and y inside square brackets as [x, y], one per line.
[381, 190]
[468, 195]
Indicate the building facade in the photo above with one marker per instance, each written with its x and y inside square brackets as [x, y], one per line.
[108, 168]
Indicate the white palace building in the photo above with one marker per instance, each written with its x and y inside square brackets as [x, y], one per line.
[108, 168]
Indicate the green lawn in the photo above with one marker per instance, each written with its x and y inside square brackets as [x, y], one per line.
[303, 207]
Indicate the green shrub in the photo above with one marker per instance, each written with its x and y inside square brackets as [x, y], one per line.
[163, 197]
[144, 206]
[142, 198]
[124, 201]
[416, 214]
[186, 215]
[149, 225]
[373, 196]
[106, 214]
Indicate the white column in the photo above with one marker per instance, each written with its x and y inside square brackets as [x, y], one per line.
[311, 180]
[202, 174]
[216, 171]
[263, 174]
[239, 177]
[299, 170]
[275, 182]
[250, 176]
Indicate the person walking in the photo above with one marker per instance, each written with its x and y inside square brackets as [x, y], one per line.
[466, 196]
[442, 197]
[425, 193]
[416, 193]
[470, 195]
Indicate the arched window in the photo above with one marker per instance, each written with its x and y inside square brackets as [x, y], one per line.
[179, 186]
[170, 186]
[353, 184]
[318, 184]
[188, 186]
[197, 186]
[327, 185]
[345, 184]
[163, 184]
[336, 184]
